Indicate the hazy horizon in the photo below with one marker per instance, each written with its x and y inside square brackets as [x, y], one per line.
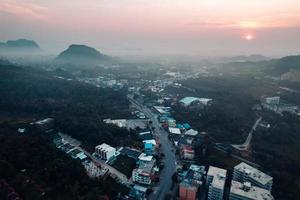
[161, 27]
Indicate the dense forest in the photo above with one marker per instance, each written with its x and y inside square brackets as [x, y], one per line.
[29, 162]
[35, 169]
[78, 108]
[230, 116]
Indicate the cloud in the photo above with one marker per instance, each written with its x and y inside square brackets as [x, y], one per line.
[24, 10]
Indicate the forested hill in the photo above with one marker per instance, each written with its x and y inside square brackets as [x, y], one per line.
[30, 164]
[78, 108]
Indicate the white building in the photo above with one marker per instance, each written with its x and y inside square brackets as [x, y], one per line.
[215, 181]
[245, 191]
[187, 101]
[272, 100]
[246, 173]
[105, 152]
[174, 131]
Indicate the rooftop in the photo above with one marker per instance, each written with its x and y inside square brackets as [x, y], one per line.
[153, 142]
[174, 130]
[144, 157]
[105, 147]
[219, 176]
[251, 192]
[188, 100]
[254, 173]
[191, 132]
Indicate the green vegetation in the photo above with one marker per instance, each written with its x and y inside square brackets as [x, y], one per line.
[125, 165]
[230, 117]
[37, 170]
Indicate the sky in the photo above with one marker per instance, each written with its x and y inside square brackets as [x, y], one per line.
[157, 27]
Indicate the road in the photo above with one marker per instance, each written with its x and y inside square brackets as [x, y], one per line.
[165, 182]
[113, 172]
[246, 144]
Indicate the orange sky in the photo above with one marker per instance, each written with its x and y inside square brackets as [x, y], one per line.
[172, 25]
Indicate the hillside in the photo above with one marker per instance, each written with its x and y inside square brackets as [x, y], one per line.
[81, 55]
[78, 108]
[284, 65]
[20, 46]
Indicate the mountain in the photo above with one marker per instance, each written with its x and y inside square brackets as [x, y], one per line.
[81, 55]
[284, 65]
[19, 46]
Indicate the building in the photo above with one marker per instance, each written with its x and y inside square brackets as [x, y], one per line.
[272, 100]
[246, 191]
[149, 146]
[175, 131]
[191, 132]
[187, 191]
[215, 182]
[144, 173]
[105, 152]
[187, 153]
[187, 101]
[191, 183]
[246, 173]
[138, 192]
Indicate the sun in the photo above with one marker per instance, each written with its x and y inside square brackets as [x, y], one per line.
[248, 37]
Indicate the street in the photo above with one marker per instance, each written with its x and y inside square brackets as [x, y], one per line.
[165, 183]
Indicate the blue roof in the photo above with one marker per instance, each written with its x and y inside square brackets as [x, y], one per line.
[148, 145]
[186, 125]
[179, 126]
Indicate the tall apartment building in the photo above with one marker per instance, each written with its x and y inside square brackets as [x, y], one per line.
[246, 173]
[191, 183]
[105, 152]
[187, 191]
[246, 191]
[215, 182]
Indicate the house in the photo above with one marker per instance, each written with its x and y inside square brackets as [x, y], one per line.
[145, 135]
[187, 153]
[175, 131]
[191, 132]
[131, 153]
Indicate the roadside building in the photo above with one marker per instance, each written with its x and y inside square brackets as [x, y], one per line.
[246, 191]
[105, 152]
[131, 153]
[215, 182]
[175, 131]
[187, 153]
[191, 182]
[138, 192]
[187, 191]
[144, 173]
[145, 135]
[186, 126]
[149, 146]
[246, 173]
[191, 132]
